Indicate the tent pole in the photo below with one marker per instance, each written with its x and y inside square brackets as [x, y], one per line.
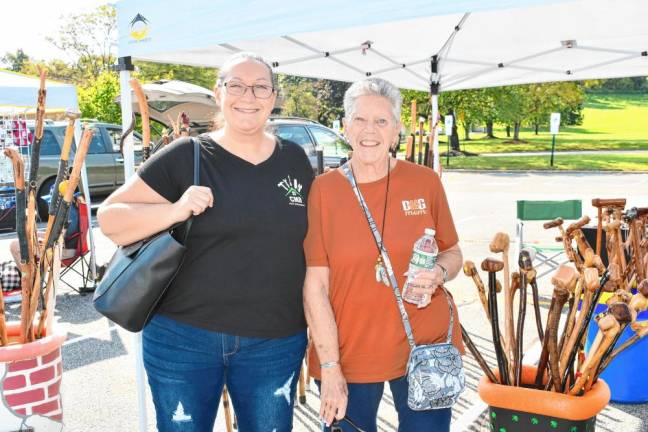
[435, 136]
[434, 99]
[125, 66]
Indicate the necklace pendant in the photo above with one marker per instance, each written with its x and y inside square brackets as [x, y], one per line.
[381, 273]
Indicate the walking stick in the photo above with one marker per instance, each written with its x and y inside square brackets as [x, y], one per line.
[492, 266]
[226, 410]
[21, 230]
[144, 114]
[62, 213]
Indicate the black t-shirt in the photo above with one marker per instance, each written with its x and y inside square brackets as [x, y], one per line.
[244, 269]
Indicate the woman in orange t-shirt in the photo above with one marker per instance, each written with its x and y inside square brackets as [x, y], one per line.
[358, 337]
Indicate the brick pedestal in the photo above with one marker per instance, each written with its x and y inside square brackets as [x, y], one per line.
[30, 380]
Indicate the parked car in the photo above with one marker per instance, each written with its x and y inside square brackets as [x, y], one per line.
[104, 163]
[167, 99]
[309, 135]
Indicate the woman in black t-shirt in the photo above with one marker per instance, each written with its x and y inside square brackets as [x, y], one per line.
[233, 315]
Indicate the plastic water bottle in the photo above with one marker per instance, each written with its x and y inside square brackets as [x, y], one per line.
[424, 257]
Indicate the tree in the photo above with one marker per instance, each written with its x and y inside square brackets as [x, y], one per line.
[330, 100]
[97, 99]
[15, 61]
[512, 107]
[298, 97]
[201, 76]
[91, 37]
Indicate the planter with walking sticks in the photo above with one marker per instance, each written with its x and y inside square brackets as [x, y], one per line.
[563, 392]
[30, 350]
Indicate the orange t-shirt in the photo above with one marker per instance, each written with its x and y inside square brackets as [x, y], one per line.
[373, 345]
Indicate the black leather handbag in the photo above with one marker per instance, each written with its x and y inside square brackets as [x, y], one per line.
[139, 274]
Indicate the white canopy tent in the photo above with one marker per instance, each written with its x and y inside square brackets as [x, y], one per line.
[432, 45]
[451, 45]
[19, 92]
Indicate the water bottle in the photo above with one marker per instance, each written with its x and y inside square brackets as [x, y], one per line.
[424, 257]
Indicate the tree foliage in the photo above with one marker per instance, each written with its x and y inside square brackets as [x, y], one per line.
[97, 99]
[150, 71]
[15, 61]
[91, 38]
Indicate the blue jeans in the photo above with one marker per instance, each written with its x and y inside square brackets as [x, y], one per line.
[188, 366]
[362, 409]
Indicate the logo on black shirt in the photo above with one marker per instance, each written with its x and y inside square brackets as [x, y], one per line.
[293, 191]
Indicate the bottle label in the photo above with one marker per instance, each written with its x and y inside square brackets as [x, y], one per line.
[423, 259]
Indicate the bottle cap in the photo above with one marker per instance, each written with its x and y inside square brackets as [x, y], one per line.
[430, 231]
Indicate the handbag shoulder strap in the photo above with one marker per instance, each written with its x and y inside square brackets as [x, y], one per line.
[196, 179]
[386, 261]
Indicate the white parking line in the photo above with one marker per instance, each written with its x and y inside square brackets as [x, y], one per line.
[90, 336]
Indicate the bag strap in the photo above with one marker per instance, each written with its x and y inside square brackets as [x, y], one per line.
[346, 168]
[196, 180]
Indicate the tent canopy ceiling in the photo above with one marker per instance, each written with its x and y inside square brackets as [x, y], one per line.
[21, 91]
[479, 43]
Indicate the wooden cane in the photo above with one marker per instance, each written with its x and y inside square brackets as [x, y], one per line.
[144, 114]
[226, 410]
[60, 176]
[492, 266]
[624, 315]
[480, 359]
[61, 216]
[608, 329]
[525, 264]
[500, 244]
[600, 204]
[567, 278]
[641, 330]
[26, 264]
[470, 270]
[593, 289]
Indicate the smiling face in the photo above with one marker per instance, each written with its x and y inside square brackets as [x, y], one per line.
[246, 113]
[372, 129]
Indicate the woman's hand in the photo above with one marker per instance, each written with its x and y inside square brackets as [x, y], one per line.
[193, 202]
[334, 395]
[426, 281]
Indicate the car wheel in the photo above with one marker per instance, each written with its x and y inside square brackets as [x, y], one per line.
[43, 206]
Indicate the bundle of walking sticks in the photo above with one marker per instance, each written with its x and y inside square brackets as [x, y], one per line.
[37, 252]
[563, 366]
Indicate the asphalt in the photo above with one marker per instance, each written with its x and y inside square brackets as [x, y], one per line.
[99, 382]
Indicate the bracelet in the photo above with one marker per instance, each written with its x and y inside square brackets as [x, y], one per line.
[445, 273]
[329, 365]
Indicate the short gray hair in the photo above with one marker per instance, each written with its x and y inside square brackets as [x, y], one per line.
[242, 56]
[372, 87]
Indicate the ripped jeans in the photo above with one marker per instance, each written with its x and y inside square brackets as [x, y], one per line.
[188, 366]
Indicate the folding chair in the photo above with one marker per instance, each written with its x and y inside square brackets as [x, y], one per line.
[75, 258]
[549, 256]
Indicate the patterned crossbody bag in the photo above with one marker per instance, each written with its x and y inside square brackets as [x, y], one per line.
[435, 374]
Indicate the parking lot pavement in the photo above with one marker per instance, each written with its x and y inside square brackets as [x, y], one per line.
[99, 387]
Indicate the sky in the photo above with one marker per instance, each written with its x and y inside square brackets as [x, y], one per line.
[26, 24]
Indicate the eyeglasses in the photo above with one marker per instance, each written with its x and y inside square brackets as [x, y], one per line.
[361, 122]
[237, 88]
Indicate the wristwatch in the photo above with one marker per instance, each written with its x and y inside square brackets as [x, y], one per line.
[445, 273]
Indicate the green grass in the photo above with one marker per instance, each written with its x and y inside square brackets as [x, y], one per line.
[610, 122]
[587, 162]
